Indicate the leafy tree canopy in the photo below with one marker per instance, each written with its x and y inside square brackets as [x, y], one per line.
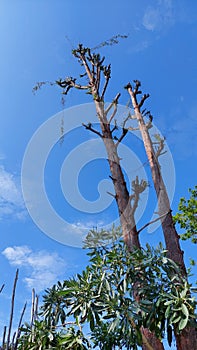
[187, 216]
[118, 295]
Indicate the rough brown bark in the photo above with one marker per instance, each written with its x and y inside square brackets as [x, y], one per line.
[171, 237]
[126, 212]
[152, 339]
[188, 338]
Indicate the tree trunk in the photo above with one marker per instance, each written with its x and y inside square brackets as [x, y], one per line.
[171, 237]
[187, 339]
[153, 341]
[126, 212]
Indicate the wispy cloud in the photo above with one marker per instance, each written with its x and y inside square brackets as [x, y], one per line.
[89, 225]
[42, 268]
[11, 201]
[154, 19]
[181, 137]
[2, 156]
[158, 16]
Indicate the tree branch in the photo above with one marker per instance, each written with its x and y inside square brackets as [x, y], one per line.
[3, 285]
[152, 222]
[113, 114]
[69, 83]
[89, 127]
[136, 198]
[143, 99]
[137, 86]
[132, 129]
[87, 68]
[114, 128]
[98, 77]
[107, 74]
[105, 87]
[138, 187]
[134, 93]
[124, 132]
[160, 143]
[111, 194]
[115, 101]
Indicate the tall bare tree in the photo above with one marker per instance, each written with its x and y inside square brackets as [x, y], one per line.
[127, 203]
[188, 338]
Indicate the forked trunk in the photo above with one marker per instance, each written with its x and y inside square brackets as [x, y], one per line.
[126, 212]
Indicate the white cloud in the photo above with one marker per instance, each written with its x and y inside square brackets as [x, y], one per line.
[158, 16]
[43, 268]
[17, 255]
[11, 201]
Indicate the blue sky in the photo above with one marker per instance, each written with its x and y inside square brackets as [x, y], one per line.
[36, 39]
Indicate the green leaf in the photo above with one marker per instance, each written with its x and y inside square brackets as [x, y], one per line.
[176, 319]
[164, 260]
[113, 325]
[167, 312]
[185, 310]
[91, 320]
[169, 302]
[146, 302]
[183, 323]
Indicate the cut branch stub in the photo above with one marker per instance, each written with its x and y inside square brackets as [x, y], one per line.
[139, 187]
[135, 92]
[159, 145]
[89, 127]
[137, 86]
[144, 98]
[93, 64]
[69, 83]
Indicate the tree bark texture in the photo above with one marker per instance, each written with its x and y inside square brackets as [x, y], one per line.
[170, 234]
[126, 212]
